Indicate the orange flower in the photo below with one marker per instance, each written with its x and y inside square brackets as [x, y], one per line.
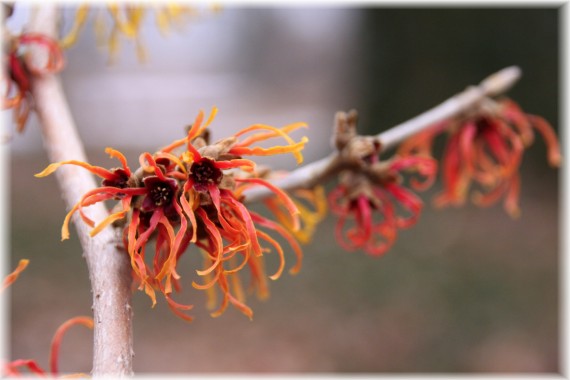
[18, 69]
[13, 368]
[485, 150]
[193, 197]
[223, 218]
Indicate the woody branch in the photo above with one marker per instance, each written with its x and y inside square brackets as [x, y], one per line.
[318, 171]
[109, 269]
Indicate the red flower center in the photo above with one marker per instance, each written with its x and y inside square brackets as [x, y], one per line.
[120, 179]
[205, 173]
[482, 124]
[161, 194]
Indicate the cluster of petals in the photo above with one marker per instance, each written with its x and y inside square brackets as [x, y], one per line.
[126, 21]
[483, 154]
[19, 67]
[189, 192]
[379, 206]
[373, 199]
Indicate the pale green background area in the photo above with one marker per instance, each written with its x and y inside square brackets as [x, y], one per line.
[465, 290]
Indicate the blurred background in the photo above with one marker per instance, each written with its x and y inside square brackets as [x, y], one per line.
[466, 290]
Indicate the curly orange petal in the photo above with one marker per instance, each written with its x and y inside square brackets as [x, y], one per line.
[273, 132]
[283, 197]
[101, 172]
[545, 129]
[294, 149]
[56, 341]
[9, 279]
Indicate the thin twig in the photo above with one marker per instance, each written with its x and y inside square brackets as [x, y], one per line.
[317, 171]
[493, 85]
[109, 269]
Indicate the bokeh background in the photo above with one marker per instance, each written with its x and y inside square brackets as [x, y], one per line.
[466, 290]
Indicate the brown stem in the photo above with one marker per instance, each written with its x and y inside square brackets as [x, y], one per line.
[109, 269]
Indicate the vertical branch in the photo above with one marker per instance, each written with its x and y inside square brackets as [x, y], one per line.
[109, 269]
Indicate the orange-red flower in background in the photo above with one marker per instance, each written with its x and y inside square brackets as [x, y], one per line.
[484, 151]
[13, 368]
[371, 192]
[374, 206]
[189, 192]
[18, 69]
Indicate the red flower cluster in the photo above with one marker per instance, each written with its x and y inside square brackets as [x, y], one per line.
[371, 192]
[374, 205]
[484, 151]
[18, 69]
[193, 197]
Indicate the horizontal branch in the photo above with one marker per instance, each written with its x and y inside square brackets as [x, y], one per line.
[319, 171]
[494, 85]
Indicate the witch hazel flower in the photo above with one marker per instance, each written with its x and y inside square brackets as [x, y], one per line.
[19, 67]
[371, 193]
[211, 197]
[378, 207]
[483, 153]
[189, 193]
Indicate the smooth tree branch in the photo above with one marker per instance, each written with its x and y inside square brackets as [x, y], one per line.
[318, 171]
[109, 269]
[494, 85]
